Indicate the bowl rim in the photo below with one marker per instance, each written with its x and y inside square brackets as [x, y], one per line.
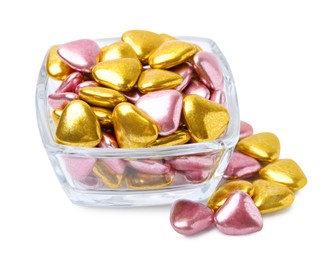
[227, 141]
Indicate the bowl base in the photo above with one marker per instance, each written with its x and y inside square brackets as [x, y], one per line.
[138, 198]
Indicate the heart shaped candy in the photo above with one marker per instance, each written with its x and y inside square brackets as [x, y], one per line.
[78, 126]
[164, 107]
[188, 217]
[209, 69]
[264, 147]
[238, 215]
[241, 166]
[80, 55]
[205, 119]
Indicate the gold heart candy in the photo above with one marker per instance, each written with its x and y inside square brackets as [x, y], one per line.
[78, 126]
[104, 116]
[143, 181]
[286, 172]
[143, 42]
[115, 51]
[205, 119]
[102, 97]
[171, 53]
[56, 68]
[132, 127]
[217, 199]
[264, 147]
[269, 196]
[156, 79]
[178, 137]
[56, 114]
[119, 74]
[109, 177]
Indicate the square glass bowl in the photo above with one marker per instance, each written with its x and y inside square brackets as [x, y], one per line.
[119, 177]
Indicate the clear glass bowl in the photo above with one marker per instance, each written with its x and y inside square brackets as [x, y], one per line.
[116, 177]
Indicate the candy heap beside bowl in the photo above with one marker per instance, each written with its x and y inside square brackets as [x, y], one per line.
[140, 120]
[257, 182]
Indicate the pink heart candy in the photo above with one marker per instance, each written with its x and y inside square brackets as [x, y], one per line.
[238, 215]
[186, 71]
[150, 166]
[245, 130]
[198, 88]
[191, 163]
[89, 83]
[79, 168]
[108, 141]
[90, 183]
[241, 166]
[117, 165]
[180, 179]
[209, 69]
[60, 100]
[196, 176]
[189, 218]
[164, 107]
[219, 97]
[70, 83]
[133, 95]
[81, 55]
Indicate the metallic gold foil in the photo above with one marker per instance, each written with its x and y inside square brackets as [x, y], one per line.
[205, 119]
[171, 53]
[56, 114]
[156, 79]
[269, 196]
[286, 172]
[217, 199]
[78, 126]
[119, 74]
[132, 127]
[143, 181]
[178, 137]
[103, 115]
[264, 147]
[143, 42]
[56, 68]
[109, 177]
[102, 97]
[116, 50]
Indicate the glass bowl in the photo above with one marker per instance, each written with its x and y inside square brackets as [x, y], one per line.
[119, 177]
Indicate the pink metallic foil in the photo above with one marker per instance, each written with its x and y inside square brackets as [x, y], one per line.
[79, 168]
[117, 165]
[133, 95]
[218, 96]
[186, 71]
[198, 88]
[196, 176]
[189, 218]
[164, 107]
[90, 183]
[81, 55]
[241, 166]
[191, 163]
[150, 166]
[89, 83]
[245, 130]
[60, 100]
[238, 215]
[209, 69]
[70, 83]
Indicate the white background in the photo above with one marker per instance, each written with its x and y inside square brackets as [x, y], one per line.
[281, 55]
